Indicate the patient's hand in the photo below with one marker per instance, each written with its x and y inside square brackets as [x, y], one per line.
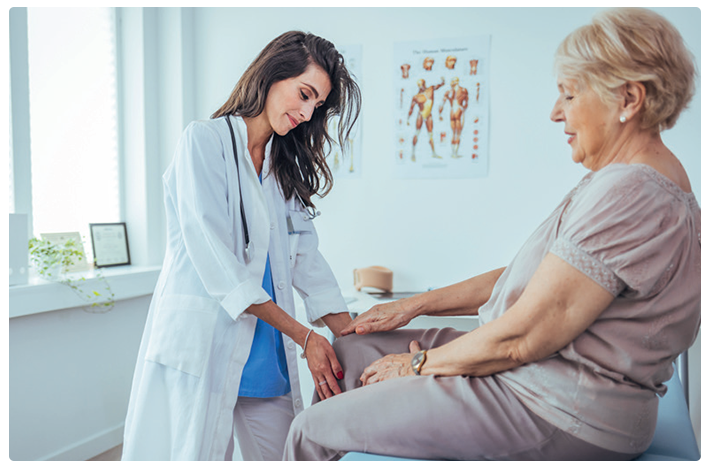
[390, 367]
[381, 317]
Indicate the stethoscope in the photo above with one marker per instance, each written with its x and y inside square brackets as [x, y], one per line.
[310, 213]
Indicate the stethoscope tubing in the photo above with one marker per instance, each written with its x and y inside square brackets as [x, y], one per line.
[309, 210]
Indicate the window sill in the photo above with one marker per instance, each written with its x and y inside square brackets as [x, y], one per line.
[40, 296]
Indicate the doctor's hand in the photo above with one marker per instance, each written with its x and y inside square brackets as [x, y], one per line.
[324, 366]
[390, 367]
[382, 317]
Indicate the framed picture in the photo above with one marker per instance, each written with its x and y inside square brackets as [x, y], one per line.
[110, 244]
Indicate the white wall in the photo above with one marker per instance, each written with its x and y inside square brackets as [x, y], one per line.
[69, 380]
[435, 232]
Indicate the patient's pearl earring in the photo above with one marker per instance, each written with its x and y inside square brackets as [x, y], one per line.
[622, 119]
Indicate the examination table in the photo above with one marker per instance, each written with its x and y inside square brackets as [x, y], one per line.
[673, 440]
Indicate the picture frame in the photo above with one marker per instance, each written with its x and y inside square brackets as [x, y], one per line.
[110, 244]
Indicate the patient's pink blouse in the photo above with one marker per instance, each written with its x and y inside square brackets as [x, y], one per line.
[637, 234]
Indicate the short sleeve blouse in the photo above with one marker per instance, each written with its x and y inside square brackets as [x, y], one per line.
[637, 234]
[621, 230]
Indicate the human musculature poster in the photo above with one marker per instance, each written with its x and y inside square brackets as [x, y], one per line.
[441, 108]
[347, 163]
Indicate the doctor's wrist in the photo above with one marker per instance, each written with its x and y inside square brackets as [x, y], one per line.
[304, 344]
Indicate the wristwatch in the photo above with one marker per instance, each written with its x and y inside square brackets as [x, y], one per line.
[418, 360]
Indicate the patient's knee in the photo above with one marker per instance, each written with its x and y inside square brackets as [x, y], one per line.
[357, 351]
[354, 353]
[343, 343]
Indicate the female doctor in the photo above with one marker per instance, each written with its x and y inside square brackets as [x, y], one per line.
[217, 360]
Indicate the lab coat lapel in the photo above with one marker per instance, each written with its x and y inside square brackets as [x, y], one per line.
[255, 205]
[276, 219]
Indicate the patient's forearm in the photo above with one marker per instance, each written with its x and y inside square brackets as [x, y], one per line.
[557, 305]
[464, 298]
[478, 353]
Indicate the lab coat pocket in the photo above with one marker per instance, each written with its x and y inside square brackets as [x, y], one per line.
[182, 331]
[298, 223]
[293, 245]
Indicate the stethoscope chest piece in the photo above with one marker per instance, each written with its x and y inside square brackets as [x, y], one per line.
[310, 212]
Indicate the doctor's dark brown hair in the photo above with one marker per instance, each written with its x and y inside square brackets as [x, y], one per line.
[298, 158]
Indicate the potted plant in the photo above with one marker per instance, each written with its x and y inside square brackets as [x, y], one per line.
[51, 260]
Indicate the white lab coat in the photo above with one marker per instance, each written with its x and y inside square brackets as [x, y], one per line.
[197, 335]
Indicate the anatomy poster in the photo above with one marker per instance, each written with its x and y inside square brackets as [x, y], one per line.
[347, 163]
[441, 108]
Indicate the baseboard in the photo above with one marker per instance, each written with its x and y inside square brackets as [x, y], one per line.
[89, 447]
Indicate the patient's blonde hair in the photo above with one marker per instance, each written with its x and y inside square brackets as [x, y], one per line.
[632, 44]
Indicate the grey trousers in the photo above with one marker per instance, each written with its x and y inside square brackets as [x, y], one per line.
[424, 417]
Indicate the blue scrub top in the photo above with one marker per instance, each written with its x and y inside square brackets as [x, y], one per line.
[266, 373]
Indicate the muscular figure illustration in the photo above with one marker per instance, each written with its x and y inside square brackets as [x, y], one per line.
[424, 100]
[405, 70]
[428, 63]
[350, 142]
[473, 67]
[457, 96]
[450, 62]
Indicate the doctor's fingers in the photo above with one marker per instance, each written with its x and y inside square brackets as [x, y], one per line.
[327, 387]
[324, 367]
[332, 388]
[319, 390]
[324, 358]
[335, 364]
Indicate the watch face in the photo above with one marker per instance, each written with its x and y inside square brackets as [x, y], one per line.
[417, 361]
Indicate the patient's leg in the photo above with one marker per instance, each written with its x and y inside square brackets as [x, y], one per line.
[426, 417]
[420, 417]
[355, 352]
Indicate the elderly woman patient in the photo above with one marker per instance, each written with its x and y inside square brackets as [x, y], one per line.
[579, 332]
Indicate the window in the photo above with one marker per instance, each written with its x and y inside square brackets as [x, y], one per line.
[70, 80]
[73, 119]
[11, 197]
